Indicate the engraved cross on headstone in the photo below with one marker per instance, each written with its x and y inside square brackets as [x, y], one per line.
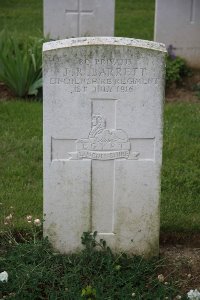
[78, 12]
[104, 145]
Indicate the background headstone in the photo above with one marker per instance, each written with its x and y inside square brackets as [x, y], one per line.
[177, 23]
[75, 18]
[103, 101]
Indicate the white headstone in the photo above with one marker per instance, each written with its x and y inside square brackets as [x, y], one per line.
[75, 18]
[103, 101]
[177, 23]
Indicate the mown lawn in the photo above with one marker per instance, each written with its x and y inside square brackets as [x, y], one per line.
[21, 159]
[22, 17]
[135, 18]
[180, 196]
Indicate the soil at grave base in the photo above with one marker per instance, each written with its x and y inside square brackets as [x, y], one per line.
[5, 93]
[185, 91]
[182, 265]
[181, 258]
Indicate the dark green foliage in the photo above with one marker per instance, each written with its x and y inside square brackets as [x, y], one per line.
[90, 242]
[176, 70]
[196, 89]
[20, 64]
[36, 272]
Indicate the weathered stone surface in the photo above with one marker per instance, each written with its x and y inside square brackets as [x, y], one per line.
[177, 23]
[103, 101]
[75, 18]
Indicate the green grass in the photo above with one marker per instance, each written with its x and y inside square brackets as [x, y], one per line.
[21, 164]
[21, 159]
[180, 205]
[132, 18]
[24, 17]
[135, 18]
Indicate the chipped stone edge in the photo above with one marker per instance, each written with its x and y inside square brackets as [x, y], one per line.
[114, 41]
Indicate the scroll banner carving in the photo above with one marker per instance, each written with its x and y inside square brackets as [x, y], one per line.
[99, 155]
[103, 143]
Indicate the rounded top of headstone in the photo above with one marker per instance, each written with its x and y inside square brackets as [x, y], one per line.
[112, 41]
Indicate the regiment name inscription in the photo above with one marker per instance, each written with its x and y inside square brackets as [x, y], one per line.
[102, 75]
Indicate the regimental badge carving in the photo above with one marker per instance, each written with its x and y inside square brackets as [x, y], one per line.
[103, 143]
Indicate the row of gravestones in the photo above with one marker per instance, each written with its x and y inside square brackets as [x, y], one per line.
[103, 104]
[177, 22]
